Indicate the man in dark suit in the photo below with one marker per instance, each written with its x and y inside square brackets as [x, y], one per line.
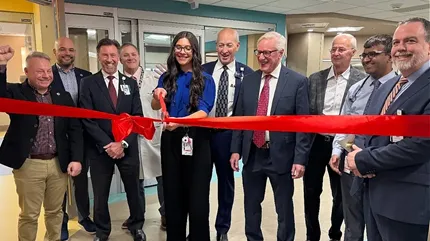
[327, 92]
[397, 192]
[42, 150]
[67, 77]
[112, 92]
[228, 74]
[279, 156]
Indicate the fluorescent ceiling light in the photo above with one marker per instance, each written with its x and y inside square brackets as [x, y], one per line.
[91, 31]
[344, 29]
[310, 30]
[158, 37]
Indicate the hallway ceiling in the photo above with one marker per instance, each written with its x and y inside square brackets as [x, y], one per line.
[391, 10]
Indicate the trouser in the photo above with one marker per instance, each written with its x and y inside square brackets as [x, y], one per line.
[40, 181]
[80, 183]
[254, 186]
[102, 169]
[220, 155]
[186, 182]
[352, 210]
[313, 182]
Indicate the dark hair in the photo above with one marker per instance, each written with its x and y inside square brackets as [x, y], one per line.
[126, 45]
[107, 42]
[380, 39]
[173, 71]
[423, 21]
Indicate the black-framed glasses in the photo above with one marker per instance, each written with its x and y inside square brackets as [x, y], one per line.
[179, 48]
[265, 53]
[371, 54]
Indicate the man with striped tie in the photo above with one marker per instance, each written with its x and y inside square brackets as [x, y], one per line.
[396, 197]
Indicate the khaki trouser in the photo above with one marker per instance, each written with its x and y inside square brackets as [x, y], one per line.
[40, 181]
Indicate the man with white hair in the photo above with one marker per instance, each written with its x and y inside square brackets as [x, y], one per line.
[279, 156]
[327, 92]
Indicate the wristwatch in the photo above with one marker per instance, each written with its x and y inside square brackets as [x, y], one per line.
[124, 144]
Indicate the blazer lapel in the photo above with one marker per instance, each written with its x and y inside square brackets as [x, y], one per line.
[321, 84]
[282, 81]
[353, 78]
[238, 82]
[28, 91]
[57, 83]
[256, 90]
[102, 85]
[79, 76]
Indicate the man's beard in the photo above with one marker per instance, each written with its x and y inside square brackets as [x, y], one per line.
[416, 59]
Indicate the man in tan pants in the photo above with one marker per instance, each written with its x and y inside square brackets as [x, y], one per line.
[42, 150]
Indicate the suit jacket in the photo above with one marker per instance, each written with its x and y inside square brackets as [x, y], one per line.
[57, 84]
[402, 169]
[22, 131]
[291, 98]
[94, 95]
[318, 86]
[241, 71]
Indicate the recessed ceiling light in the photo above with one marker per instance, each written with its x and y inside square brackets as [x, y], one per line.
[344, 29]
[310, 30]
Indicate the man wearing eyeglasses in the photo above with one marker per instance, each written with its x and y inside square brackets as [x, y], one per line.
[328, 89]
[376, 60]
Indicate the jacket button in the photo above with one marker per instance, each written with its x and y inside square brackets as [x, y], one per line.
[31, 139]
[35, 125]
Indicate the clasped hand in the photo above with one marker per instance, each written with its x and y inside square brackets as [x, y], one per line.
[350, 158]
[114, 150]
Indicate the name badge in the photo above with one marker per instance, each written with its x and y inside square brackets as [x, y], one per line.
[125, 89]
[395, 139]
[187, 146]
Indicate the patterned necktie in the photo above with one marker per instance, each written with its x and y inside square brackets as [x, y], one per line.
[393, 94]
[376, 85]
[222, 96]
[112, 91]
[263, 103]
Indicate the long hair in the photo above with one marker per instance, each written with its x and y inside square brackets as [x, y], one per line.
[173, 68]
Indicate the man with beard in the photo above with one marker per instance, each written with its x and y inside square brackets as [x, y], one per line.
[67, 78]
[397, 189]
[376, 60]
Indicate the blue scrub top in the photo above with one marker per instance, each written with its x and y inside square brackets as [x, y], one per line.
[181, 98]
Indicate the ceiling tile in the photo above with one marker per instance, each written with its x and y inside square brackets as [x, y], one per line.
[383, 15]
[328, 7]
[359, 11]
[365, 3]
[231, 4]
[270, 9]
[294, 4]
[402, 3]
[397, 19]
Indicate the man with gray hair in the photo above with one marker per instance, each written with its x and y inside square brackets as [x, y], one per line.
[328, 89]
[279, 156]
[42, 150]
[376, 60]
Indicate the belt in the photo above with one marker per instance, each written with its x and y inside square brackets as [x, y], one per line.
[42, 156]
[327, 138]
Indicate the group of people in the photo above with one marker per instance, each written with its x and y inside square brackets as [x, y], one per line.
[379, 183]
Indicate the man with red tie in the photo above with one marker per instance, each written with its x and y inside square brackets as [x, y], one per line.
[112, 92]
[279, 156]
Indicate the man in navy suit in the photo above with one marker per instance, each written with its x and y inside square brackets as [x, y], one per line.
[112, 92]
[228, 74]
[67, 77]
[279, 156]
[398, 168]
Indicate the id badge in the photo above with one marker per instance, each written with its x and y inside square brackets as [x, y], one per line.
[125, 89]
[346, 167]
[187, 146]
[395, 139]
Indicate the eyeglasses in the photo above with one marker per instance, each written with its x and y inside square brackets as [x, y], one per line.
[340, 50]
[179, 48]
[370, 55]
[266, 53]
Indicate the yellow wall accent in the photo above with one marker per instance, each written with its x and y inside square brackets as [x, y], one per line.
[45, 32]
[22, 6]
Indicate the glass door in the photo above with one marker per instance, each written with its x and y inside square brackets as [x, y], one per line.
[155, 39]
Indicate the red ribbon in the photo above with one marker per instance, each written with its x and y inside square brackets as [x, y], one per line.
[124, 124]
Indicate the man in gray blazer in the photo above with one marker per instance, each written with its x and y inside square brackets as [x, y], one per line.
[279, 156]
[397, 192]
[328, 89]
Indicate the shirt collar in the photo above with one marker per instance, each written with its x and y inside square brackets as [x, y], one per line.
[136, 74]
[62, 70]
[105, 75]
[231, 66]
[387, 77]
[276, 72]
[414, 76]
[345, 74]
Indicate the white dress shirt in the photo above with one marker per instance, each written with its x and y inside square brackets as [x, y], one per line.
[115, 80]
[216, 75]
[334, 92]
[272, 87]
[136, 75]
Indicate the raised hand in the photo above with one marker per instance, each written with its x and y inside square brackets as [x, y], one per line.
[6, 53]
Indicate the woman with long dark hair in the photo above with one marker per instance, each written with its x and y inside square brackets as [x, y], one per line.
[185, 152]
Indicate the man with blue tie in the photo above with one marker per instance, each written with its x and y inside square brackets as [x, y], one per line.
[228, 74]
[376, 60]
[396, 197]
[280, 157]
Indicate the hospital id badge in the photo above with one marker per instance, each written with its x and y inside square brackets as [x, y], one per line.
[187, 146]
[395, 139]
[125, 89]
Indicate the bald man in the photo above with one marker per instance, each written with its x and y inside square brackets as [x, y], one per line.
[67, 78]
[228, 74]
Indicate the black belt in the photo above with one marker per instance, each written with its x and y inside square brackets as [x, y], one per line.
[327, 138]
[42, 156]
